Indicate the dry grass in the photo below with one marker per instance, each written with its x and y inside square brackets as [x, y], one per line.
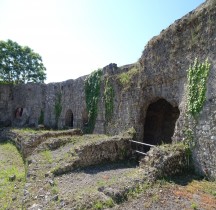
[126, 77]
[203, 190]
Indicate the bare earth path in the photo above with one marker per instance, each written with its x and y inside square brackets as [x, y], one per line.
[180, 193]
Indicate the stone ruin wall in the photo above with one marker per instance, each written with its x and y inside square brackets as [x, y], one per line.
[37, 98]
[161, 74]
[165, 61]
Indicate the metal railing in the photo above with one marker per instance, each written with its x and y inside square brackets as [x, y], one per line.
[142, 143]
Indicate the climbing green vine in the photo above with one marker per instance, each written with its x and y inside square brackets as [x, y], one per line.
[58, 107]
[197, 77]
[189, 144]
[92, 93]
[109, 100]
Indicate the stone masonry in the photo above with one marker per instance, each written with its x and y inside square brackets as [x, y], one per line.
[159, 74]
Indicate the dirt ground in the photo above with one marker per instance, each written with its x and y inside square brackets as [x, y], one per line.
[186, 192]
[183, 192]
[117, 185]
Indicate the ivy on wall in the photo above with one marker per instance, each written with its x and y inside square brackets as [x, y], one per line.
[58, 108]
[197, 78]
[92, 93]
[109, 100]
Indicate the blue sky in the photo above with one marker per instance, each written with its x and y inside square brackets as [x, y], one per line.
[75, 37]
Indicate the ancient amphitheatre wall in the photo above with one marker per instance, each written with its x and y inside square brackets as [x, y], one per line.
[160, 73]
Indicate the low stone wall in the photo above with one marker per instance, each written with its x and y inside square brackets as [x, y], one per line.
[166, 160]
[106, 150]
[27, 142]
[116, 148]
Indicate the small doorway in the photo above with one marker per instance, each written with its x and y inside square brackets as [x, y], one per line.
[160, 122]
[18, 113]
[69, 118]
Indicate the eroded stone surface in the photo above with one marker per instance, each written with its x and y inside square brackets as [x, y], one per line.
[160, 73]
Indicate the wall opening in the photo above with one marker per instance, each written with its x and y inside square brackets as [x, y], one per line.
[18, 112]
[69, 118]
[160, 122]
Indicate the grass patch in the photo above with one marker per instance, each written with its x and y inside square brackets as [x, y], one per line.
[126, 77]
[27, 131]
[11, 164]
[80, 141]
[47, 156]
[203, 186]
[194, 206]
[103, 204]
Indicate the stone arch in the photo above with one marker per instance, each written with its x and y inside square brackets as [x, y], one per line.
[69, 118]
[160, 121]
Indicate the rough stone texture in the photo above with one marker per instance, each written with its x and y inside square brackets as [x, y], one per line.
[27, 142]
[166, 160]
[205, 140]
[37, 98]
[44, 167]
[107, 150]
[160, 73]
[5, 105]
[72, 97]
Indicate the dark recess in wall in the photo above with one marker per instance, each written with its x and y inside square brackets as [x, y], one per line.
[160, 122]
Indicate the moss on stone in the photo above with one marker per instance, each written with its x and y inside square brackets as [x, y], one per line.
[125, 78]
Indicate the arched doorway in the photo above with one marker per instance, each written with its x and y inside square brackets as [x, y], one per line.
[69, 118]
[160, 122]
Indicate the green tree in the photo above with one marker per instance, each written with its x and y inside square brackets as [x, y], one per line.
[20, 64]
